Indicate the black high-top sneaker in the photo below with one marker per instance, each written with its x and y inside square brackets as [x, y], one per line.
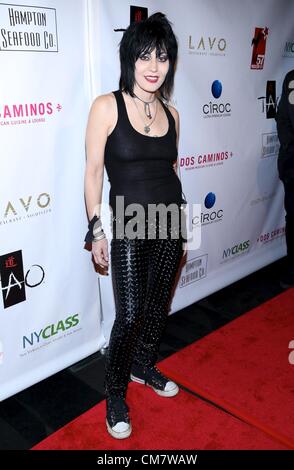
[154, 379]
[117, 418]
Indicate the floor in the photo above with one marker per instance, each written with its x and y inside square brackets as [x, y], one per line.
[35, 413]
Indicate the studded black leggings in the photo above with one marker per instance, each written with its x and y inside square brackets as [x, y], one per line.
[143, 275]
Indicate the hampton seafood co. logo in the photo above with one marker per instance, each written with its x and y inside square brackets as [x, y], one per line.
[28, 28]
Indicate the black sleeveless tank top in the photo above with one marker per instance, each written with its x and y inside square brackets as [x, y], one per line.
[139, 167]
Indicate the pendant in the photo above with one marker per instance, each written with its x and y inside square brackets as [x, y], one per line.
[147, 129]
[147, 110]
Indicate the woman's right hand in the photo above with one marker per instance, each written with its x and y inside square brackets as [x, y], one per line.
[100, 252]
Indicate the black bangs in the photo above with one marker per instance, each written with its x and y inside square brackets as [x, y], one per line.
[147, 47]
[150, 36]
[141, 38]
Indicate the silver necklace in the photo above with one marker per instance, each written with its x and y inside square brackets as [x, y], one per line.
[147, 126]
[146, 105]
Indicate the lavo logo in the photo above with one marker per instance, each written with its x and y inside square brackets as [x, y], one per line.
[236, 249]
[210, 43]
[42, 201]
[50, 330]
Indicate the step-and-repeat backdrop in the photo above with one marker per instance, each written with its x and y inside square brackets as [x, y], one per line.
[55, 57]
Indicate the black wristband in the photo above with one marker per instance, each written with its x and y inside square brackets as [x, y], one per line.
[89, 236]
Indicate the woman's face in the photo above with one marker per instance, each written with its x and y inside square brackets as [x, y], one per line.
[151, 70]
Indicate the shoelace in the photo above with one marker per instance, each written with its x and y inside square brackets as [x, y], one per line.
[118, 409]
[155, 377]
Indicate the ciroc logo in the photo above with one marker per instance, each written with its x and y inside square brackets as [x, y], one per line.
[216, 109]
[209, 201]
[209, 216]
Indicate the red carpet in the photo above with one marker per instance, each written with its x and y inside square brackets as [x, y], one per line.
[244, 367]
[181, 422]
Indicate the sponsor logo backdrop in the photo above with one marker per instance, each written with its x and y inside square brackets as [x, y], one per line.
[49, 306]
[55, 59]
[232, 60]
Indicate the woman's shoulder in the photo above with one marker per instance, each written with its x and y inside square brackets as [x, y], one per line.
[104, 102]
[173, 111]
[103, 110]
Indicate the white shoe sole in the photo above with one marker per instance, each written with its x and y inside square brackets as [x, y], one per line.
[118, 435]
[162, 393]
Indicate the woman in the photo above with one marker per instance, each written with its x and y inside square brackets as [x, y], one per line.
[134, 134]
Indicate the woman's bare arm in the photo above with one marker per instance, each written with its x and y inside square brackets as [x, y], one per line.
[99, 122]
